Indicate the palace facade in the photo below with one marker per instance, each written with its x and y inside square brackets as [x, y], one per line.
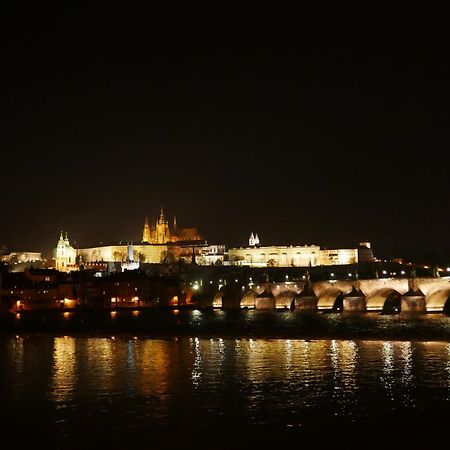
[256, 255]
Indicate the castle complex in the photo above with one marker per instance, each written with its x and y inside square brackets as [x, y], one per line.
[162, 243]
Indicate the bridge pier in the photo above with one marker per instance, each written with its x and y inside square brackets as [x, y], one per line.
[414, 299]
[355, 304]
[307, 298]
[265, 300]
[355, 300]
[306, 303]
[413, 303]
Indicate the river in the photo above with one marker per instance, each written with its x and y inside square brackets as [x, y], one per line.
[129, 391]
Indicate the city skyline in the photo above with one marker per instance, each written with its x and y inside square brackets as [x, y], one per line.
[305, 124]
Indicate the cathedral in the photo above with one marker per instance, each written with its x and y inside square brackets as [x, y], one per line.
[161, 233]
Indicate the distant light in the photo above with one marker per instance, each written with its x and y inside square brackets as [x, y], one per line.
[331, 274]
[402, 272]
[135, 313]
[349, 274]
[18, 316]
[113, 314]
[384, 272]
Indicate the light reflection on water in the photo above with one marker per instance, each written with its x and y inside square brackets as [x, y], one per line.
[127, 383]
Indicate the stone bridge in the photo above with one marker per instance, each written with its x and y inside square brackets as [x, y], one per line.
[418, 294]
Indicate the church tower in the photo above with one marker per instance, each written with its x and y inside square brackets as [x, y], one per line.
[64, 254]
[162, 232]
[146, 237]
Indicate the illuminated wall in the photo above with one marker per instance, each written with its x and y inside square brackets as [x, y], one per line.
[282, 256]
[20, 257]
[292, 256]
[147, 253]
[338, 256]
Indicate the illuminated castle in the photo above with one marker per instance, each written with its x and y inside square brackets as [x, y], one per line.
[161, 233]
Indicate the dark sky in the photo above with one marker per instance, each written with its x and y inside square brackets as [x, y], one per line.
[308, 126]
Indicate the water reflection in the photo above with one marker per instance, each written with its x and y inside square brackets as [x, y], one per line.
[407, 376]
[64, 375]
[387, 377]
[127, 382]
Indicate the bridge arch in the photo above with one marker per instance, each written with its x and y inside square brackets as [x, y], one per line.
[437, 300]
[284, 299]
[385, 299]
[328, 299]
[248, 299]
[217, 300]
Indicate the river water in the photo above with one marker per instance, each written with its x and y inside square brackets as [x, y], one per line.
[188, 392]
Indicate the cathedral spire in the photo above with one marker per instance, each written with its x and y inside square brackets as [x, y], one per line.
[174, 222]
[161, 215]
[146, 237]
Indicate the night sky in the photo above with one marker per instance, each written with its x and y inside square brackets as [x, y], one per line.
[308, 126]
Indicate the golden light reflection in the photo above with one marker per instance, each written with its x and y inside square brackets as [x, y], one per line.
[103, 360]
[113, 314]
[64, 362]
[152, 368]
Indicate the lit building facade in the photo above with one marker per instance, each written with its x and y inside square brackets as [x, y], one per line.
[275, 255]
[65, 255]
[21, 257]
[256, 255]
[161, 233]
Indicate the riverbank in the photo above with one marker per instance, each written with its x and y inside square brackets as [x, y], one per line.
[231, 324]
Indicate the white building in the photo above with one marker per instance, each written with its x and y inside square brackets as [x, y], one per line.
[256, 255]
[65, 255]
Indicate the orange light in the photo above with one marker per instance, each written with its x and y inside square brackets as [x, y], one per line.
[113, 314]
